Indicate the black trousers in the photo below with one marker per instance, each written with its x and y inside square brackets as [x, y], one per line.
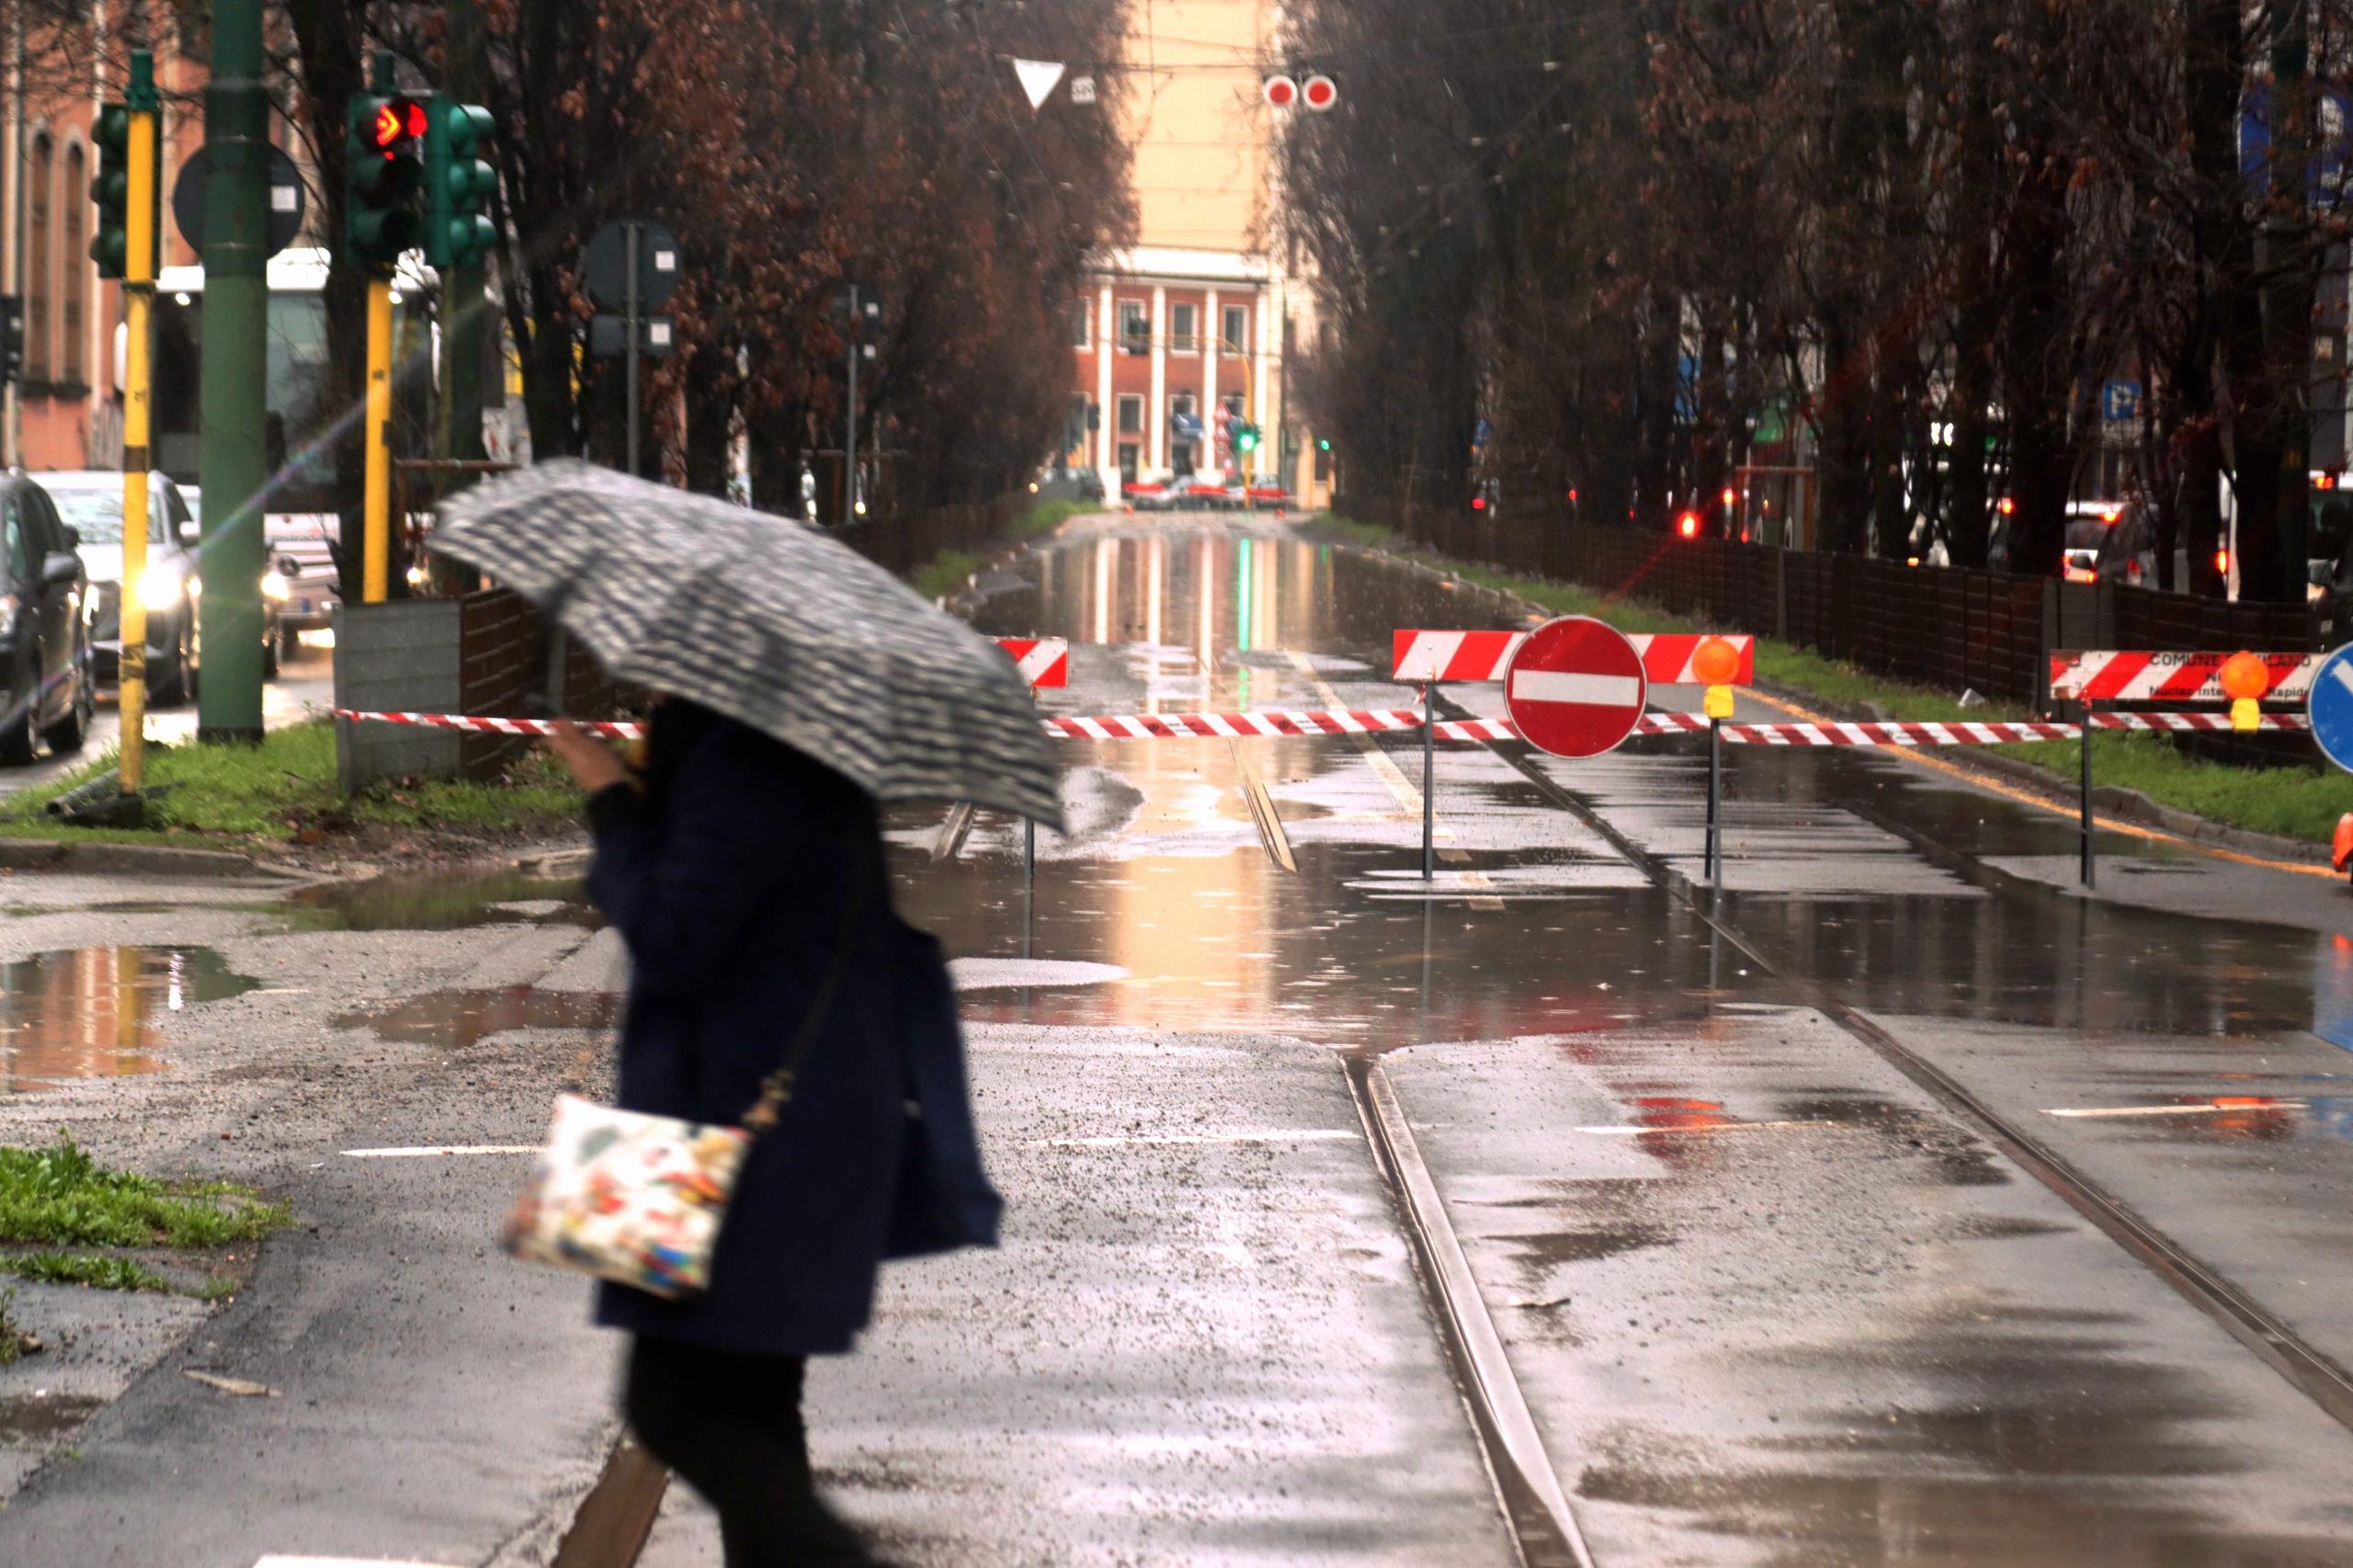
[730, 1425]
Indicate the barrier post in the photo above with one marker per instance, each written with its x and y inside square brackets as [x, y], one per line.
[2090, 858]
[1715, 801]
[1430, 768]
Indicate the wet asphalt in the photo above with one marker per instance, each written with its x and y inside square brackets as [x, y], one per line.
[1885, 1207]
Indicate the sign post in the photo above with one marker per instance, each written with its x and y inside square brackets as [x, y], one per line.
[2330, 708]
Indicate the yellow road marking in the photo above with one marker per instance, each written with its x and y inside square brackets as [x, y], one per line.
[1408, 796]
[2027, 798]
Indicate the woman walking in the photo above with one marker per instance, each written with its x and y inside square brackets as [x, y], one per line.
[748, 884]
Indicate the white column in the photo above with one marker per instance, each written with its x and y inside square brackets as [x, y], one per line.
[1158, 413]
[1210, 328]
[1262, 414]
[1107, 457]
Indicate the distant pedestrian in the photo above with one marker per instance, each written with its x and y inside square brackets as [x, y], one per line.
[749, 883]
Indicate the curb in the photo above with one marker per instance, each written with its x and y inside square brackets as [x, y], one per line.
[135, 860]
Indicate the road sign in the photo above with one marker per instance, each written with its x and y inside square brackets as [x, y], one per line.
[604, 266]
[2330, 707]
[608, 336]
[286, 201]
[2115, 677]
[1576, 687]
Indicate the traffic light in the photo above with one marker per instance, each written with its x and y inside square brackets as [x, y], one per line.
[457, 184]
[1323, 443]
[1246, 438]
[381, 176]
[12, 335]
[110, 188]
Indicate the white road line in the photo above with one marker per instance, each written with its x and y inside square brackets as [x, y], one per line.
[347, 1563]
[441, 1148]
[1298, 1135]
[2180, 1110]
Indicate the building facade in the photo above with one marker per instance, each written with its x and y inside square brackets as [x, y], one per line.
[1179, 344]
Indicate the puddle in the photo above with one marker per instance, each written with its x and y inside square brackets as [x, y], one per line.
[91, 1012]
[438, 904]
[455, 1020]
[29, 1418]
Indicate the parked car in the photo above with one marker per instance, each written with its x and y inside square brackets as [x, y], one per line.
[44, 625]
[91, 502]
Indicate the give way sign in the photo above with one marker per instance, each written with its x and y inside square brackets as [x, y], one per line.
[1576, 687]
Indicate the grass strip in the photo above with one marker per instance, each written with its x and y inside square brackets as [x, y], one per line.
[59, 1196]
[2292, 802]
[83, 1268]
[285, 785]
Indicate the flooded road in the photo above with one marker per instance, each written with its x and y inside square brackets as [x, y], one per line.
[1767, 1301]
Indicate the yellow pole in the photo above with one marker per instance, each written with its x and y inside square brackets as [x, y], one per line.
[379, 557]
[138, 300]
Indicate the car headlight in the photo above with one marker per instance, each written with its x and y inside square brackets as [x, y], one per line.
[159, 587]
[273, 586]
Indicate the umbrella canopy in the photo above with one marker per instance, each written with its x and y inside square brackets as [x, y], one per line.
[769, 622]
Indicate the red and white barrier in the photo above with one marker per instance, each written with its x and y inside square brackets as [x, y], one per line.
[2112, 677]
[1666, 657]
[1180, 726]
[472, 726]
[1043, 662]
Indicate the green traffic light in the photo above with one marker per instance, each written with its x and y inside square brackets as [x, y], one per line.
[459, 186]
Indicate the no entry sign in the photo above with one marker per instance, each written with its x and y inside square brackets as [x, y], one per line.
[1576, 687]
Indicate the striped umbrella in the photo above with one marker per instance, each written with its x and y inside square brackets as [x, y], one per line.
[759, 617]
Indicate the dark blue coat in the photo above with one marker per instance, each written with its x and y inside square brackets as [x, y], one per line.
[733, 893]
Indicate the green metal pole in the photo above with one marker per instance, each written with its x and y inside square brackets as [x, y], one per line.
[231, 460]
[465, 320]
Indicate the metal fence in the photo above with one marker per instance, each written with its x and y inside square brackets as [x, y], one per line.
[1936, 626]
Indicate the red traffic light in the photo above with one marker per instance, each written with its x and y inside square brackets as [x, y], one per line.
[397, 122]
[1687, 525]
[1319, 92]
[1478, 503]
[1280, 92]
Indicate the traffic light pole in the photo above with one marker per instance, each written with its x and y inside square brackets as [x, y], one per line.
[377, 557]
[139, 305]
[231, 459]
[633, 317]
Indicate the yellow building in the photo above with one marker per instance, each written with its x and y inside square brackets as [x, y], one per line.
[1180, 342]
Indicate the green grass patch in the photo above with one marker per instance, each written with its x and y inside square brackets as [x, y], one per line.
[94, 1270]
[2293, 802]
[944, 574]
[287, 785]
[60, 1197]
[1047, 516]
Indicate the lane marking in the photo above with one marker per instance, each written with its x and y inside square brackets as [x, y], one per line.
[2182, 1109]
[438, 1149]
[1300, 1135]
[1407, 795]
[1995, 785]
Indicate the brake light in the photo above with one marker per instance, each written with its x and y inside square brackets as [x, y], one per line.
[2007, 507]
[2110, 514]
[1687, 525]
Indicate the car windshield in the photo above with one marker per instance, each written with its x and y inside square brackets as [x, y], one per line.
[2086, 533]
[95, 511]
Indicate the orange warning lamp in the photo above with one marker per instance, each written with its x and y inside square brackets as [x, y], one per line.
[1717, 664]
[2245, 681]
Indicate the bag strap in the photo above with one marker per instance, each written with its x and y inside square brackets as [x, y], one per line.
[776, 1090]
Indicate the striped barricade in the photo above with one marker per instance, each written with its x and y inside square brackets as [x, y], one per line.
[1044, 662]
[2112, 677]
[1456, 656]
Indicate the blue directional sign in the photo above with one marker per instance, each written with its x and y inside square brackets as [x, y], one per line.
[2331, 707]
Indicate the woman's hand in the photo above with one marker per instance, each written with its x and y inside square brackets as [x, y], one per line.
[591, 761]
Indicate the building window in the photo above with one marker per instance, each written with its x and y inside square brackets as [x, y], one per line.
[1234, 405]
[1135, 336]
[1130, 455]
[1183, 336]
[1184, 404]
[1081, 324]
[1130, 413]
[1237, 327]
[39, 257]
[73, 316]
